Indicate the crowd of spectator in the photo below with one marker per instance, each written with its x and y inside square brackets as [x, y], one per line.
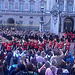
[36, 53]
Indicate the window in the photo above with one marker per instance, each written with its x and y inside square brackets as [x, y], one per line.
[21, 6]
[31, 6]
[1, 6]
[11, 6]
[61, 7]
[1, 21]
[0, 15]
[21, 16]
[70, 8]
[31, 22]
[31, 17]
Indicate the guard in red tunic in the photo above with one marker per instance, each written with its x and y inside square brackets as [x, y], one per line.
[44, 41]
[57, 45]
[29, 44]
[54, 42]
[65, 35]
[50, 44]
[61, 44]
[36, 43]
[19, 44]
[40, 44]
[25, 45]
[4, 46]
[67, 45]
[32, 44]
[72, 36]
[14, 44]
[9, 46]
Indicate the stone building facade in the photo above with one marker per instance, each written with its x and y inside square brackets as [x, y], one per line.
[24, 12]
[29, 13]
[66, 13]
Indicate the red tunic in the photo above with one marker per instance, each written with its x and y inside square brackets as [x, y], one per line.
[67, 45]
[68, 33]
[9, 46]
[25, 46]
[17, 43]
[57, 45]
[55, 41]
[41, 46]
[32, 43]
[29, 43]
[5, 44]
[36, 44]
[14, 42]
[61, 45]
[72, 36]
[65, 35]
[45, 42]
[50, 44]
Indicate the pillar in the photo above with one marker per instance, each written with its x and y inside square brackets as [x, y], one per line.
[74, 6]
[65, 5]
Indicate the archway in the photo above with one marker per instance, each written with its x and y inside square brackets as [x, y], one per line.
[68, 24]
[10, 21]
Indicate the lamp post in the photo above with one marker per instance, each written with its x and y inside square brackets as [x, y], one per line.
[41, 19]
[60, 21]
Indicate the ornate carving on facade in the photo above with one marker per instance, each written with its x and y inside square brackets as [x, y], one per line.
[55, 12]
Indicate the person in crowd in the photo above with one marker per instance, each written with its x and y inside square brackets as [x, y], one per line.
[39, 58]
[36, 53]
[5, 68]
[43, 68]
[15, 62]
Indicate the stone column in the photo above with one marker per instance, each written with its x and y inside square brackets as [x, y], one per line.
[65, 5]
[74, 25]
[74, 6]
[55, 26]
[62, 24]
[55, 19]
[48, 1]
